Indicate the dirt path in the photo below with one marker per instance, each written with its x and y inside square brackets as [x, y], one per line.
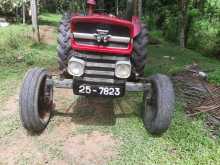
[64, 141]
[46, 34]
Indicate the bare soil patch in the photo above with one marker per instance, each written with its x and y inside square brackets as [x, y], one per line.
[46, 34]
[60, 143]
[94, 148]
[10, 106]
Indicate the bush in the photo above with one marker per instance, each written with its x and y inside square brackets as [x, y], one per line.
[9, 7]
[13, 44]
[204, 37]
[216, 48]
[170, 29]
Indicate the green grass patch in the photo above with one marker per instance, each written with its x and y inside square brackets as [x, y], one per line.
[186, 142]
[50, 19]
[18, 53]
[169, 59]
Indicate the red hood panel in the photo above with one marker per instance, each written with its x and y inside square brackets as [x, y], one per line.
[107, 20]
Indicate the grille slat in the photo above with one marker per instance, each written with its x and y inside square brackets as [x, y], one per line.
[98, 72]
[88, 36]
[109, 58]
[100, 65]
[105, 80]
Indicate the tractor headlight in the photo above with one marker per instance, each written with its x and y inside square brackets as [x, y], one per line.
[123, 69]
[76, 67]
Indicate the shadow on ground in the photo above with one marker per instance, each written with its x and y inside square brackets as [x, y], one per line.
[94, 111]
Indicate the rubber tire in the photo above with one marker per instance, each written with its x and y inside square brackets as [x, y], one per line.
[28, 101]
[64, 41]
[140, 52]
[157, 114]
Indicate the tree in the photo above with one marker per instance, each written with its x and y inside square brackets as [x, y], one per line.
[140, 8]
[137, 7]
[183, 22]
[34, 15]
[24, 11]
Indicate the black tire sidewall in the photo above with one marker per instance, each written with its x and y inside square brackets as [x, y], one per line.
[157, 118]
[29, 96]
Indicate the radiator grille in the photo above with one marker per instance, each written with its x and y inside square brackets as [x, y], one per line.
[101, 68]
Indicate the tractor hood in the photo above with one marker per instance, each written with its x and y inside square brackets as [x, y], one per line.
[103, 34]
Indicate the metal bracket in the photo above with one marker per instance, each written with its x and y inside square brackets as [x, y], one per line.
[61, 83]
[137, 87]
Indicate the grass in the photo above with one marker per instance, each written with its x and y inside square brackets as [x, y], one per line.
[49, 19]
[170, 59]
[18, 52]
[186, 142]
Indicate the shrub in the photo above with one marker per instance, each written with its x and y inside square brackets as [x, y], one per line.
[9, 7]
[13, 44]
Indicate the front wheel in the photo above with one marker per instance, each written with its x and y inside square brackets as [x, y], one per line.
[36, 100]
[159, 104]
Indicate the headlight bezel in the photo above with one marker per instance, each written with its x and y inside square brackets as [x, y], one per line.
[77, 61]
[123, 63]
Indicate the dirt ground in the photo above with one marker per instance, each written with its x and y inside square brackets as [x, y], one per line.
[46, 34]
[63, 142]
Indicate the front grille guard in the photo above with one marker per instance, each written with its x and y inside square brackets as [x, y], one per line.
[100, 69]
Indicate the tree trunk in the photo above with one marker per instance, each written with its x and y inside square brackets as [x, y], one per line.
[35, 27]
[140, 8]
[24, 12]
[117, 7]
[183, 22]
[135, 7]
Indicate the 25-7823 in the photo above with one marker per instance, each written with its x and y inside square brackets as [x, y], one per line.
[102, 90]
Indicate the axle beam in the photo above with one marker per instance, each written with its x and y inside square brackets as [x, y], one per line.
[129, 86]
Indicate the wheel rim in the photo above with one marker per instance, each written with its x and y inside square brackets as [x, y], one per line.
[45, 101]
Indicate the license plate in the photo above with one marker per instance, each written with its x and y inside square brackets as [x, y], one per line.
[99, 90]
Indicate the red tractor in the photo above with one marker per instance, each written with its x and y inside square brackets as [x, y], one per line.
[100, 55]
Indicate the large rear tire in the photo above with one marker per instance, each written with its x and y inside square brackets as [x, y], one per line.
[159, 104]
[139, 55]
[36, 100]
[64, 44]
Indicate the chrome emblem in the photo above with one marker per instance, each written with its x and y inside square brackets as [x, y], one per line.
[102, 35]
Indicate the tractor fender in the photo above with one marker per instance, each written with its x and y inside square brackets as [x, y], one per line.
[137, 25]
[91, 2]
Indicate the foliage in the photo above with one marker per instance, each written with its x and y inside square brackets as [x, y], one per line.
[17, 47]
[50, 18]
[203, 22]
[62, 6]
[9, 7]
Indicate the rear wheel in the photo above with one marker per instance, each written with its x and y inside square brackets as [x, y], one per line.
[159, 104]
[64, 44]
[139, 55]
[36, 100]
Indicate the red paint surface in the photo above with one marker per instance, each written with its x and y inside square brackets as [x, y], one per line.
[91, 2]
[137, 25]
[134, 26]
